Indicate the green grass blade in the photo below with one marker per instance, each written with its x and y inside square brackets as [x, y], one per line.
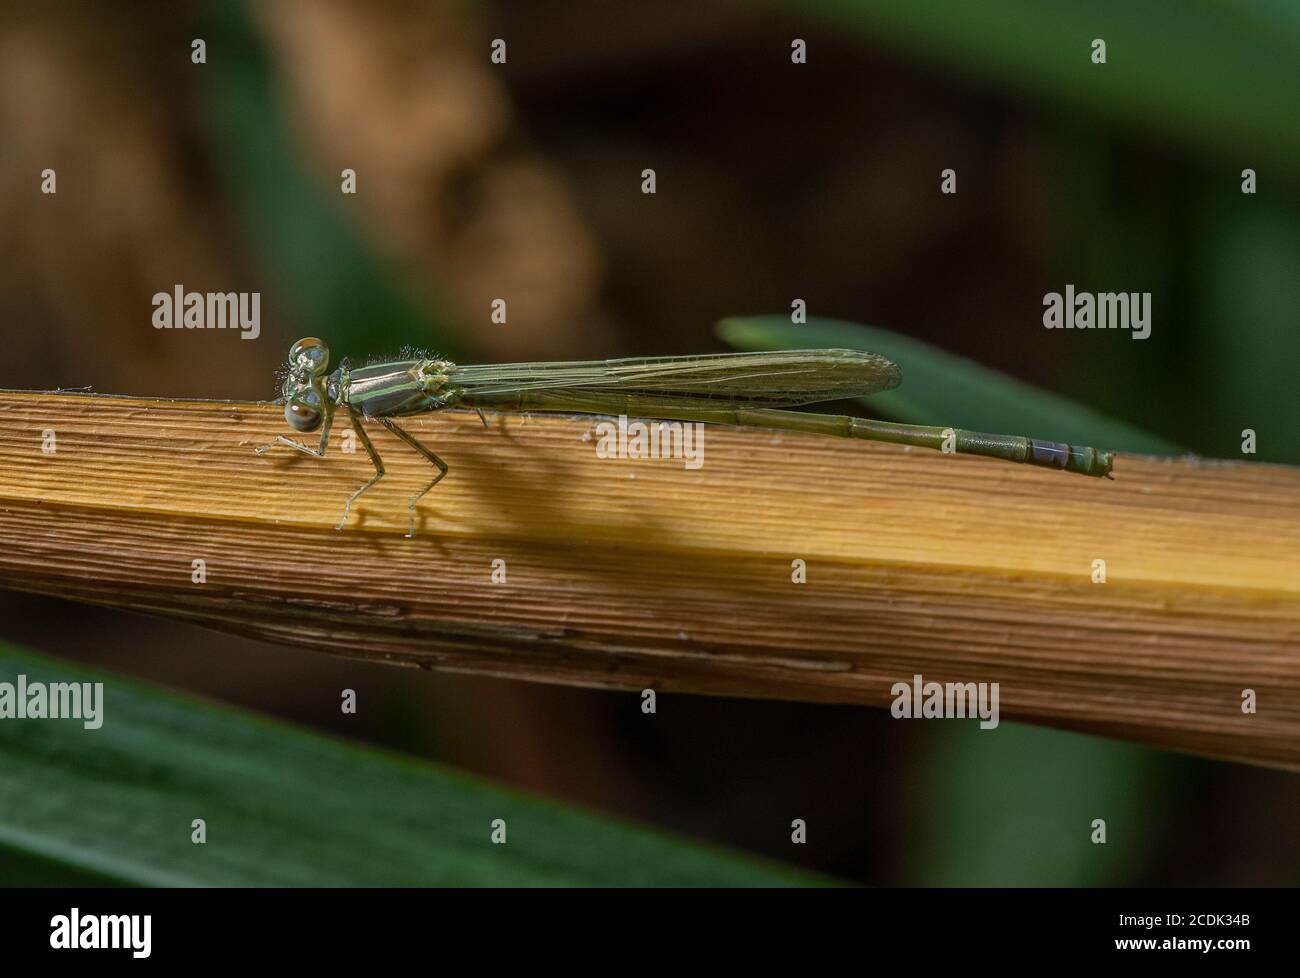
[943, 389]
[290, 808]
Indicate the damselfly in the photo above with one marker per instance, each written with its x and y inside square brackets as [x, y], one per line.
[747, 389]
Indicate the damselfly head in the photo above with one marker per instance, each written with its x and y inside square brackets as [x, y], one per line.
[304, 405]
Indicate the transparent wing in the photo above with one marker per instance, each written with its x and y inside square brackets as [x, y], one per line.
[778, 379]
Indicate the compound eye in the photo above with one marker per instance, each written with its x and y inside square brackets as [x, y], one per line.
[315, 353]
[303, 411]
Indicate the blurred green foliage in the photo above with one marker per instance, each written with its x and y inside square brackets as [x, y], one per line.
[1015, 807]
[1144, 179]
[288, 808]
[1217, 75]
[304, 242]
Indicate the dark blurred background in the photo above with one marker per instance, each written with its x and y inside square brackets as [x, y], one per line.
[776, 181]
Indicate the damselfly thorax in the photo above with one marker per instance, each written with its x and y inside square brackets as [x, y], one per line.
[393, 389]
[746, 389]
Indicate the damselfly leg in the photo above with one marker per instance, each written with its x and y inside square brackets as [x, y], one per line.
[375, 460]
[441, 465]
